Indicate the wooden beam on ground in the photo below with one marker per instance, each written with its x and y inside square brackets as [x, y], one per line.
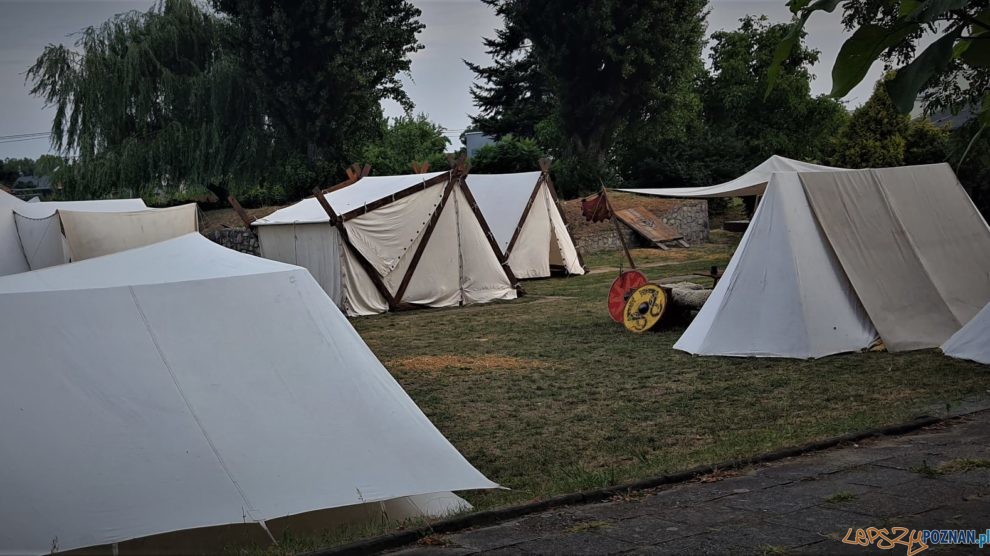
[248, 221]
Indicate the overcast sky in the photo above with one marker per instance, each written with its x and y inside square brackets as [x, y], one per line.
[438, 85]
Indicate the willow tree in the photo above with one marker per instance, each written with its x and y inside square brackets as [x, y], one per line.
[154, 100]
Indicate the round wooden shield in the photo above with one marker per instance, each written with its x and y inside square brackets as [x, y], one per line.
[645, 308]
[621, 288]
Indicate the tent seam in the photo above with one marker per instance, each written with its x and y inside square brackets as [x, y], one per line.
[185, 400]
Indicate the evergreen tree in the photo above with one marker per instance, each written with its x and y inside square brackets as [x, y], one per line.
[874, 136]
[578, 73]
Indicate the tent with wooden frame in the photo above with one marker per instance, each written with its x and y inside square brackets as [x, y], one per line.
[380, 243]
[529, 226]
[834, 260]
[189, 398]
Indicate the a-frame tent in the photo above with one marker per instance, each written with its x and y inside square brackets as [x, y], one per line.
[973, 340]
[190, 398]
[833, 260]
[382, 243]
[529, 226]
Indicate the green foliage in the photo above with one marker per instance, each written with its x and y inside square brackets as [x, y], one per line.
[49, 164]
[321, 68]
[405, 140]
[576, 75]
[13, 168]
[926, 143]
[180, 97]
[153, 100]
[877, 135]
[672, 151]
[513, 96]
[891, 31]
[746, 126]
[510, 154]
[974, 170]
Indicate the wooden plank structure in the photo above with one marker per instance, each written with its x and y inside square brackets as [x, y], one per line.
[646, 224]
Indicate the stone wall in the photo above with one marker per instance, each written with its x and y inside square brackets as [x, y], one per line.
[238, 239]
[690, 217]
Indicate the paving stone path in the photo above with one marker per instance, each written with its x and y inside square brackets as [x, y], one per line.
[937, 478]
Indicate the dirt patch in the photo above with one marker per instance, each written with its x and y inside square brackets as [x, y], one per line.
[431, 363]
[227, 218]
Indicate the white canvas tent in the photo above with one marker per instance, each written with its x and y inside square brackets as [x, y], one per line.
[31, 233]
[392, 242]
[12, 259]
[973, 340]
[528, 224]
[53, 233]
[751, 183]
[187, 387]
[832, 260]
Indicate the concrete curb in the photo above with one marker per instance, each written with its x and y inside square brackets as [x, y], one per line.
[488, 517]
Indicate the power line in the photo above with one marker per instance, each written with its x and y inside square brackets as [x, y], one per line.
[26, 135]
[5, 141]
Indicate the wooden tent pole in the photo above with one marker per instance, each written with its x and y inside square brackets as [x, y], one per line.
[425, 238]
[248, 221]
[372, 272]
[618, 229]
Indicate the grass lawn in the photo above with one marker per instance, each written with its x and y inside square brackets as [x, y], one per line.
[546, 395]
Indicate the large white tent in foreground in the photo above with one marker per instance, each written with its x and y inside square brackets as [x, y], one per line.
[392, 242]
[528, 224]
[751, 183]
[185, 386]
[833, 260]
[973, 340]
